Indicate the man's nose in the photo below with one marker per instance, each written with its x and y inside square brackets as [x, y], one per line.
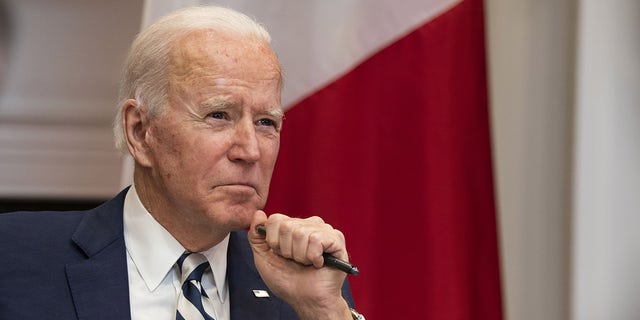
[245, 145]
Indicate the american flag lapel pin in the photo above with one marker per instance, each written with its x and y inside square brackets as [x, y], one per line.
[260, 293]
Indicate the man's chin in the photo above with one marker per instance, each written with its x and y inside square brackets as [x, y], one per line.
[240, 217]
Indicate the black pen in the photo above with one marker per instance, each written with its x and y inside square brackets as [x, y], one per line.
[329, 260]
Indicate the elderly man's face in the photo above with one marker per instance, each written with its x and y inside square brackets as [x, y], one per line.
[215, 148]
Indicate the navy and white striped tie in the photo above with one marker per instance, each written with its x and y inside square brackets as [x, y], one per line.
[192, 300]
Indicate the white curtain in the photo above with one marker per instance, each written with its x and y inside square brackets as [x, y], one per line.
[606, 184]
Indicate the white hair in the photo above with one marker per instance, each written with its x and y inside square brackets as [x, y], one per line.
[145, 75]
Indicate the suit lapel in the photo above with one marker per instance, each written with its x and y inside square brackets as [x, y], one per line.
[243, 279]
[99, 285]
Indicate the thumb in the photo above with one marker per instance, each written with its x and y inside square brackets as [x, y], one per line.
[258, 242]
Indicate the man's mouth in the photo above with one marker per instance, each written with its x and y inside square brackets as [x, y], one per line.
[239, 186]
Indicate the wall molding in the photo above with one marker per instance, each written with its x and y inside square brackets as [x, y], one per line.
[58, 161]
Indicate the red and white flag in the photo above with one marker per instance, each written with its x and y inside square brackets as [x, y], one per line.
[387, 138]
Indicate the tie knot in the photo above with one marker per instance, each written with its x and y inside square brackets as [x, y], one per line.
[192, 266]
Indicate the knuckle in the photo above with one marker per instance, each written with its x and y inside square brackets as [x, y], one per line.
[298, 234]
[315, 219]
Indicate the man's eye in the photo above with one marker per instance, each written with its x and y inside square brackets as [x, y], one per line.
[217, 115]
[267, 122]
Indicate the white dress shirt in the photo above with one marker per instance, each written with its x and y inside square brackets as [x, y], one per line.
[154, 282]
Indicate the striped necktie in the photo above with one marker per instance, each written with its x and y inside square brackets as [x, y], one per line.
[193, 298]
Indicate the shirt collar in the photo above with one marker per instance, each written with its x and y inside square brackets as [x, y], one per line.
[154, 250]
[217, 257]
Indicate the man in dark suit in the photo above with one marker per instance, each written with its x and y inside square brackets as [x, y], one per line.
[200, 114]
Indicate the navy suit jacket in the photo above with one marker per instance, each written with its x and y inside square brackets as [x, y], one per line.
[73, 265]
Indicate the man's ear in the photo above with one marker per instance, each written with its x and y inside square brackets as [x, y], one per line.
[135, 122]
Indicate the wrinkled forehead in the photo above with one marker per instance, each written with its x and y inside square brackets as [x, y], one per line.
[209, 51]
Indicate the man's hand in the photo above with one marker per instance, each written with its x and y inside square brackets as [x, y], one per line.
[290, 261]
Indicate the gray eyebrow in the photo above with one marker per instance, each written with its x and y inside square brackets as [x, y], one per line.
[275, 112]
[218, 104]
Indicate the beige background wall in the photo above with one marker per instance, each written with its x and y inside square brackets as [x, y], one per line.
[59, 94]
